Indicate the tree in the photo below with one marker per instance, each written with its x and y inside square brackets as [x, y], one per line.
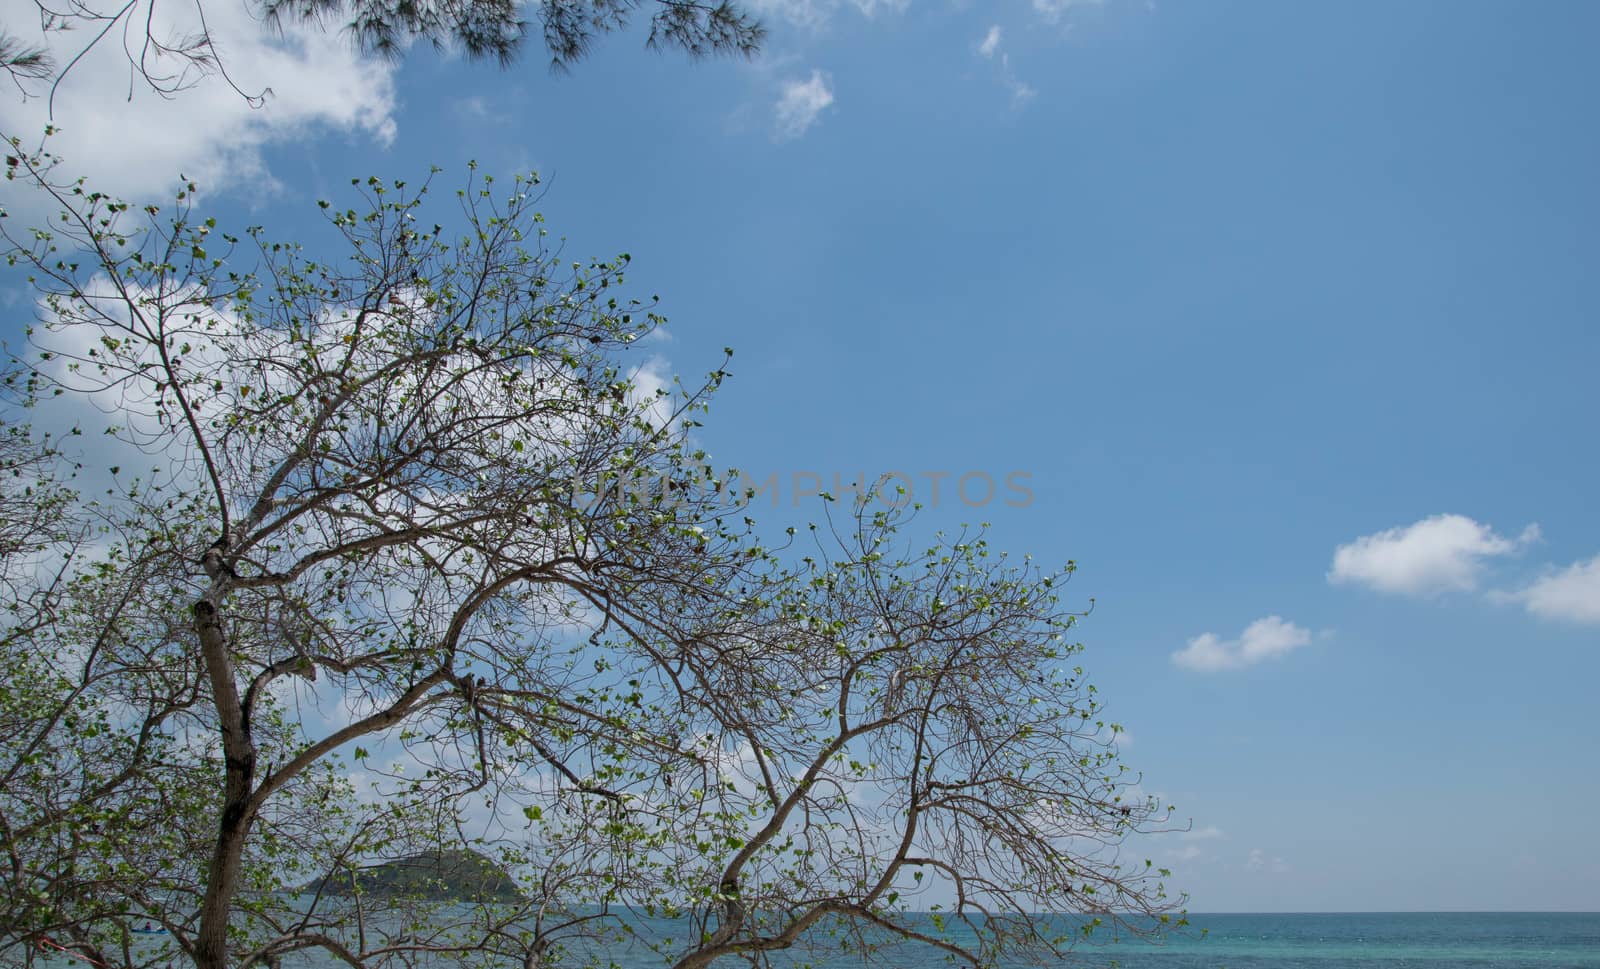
[906, 757]
[407, 518]
[23, 63]
[169, 55]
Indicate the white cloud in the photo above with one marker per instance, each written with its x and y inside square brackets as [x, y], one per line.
[136, 147]
[1051, 11]
[1440, 554]
[1572, 594]
[650, 387]
[991, 42]
[799, 106]
[1261, 640]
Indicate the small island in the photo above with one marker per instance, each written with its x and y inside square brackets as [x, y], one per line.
[443, 875]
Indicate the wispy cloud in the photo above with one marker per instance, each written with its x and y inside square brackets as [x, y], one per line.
[871, 8]
[816, 14]
[799, 106]
[991, 42]
[1263, 639]
[1021, 91]
[1445, 553]
[802, 13]
[991, 48]
[1052, 11]
[1569, 595]
[1258, 861]
[1208, 833]
[472, 109]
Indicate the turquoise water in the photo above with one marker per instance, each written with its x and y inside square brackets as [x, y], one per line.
[1375, 941]
[1368, 941]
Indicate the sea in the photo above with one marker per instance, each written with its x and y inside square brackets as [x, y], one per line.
[1388, 940]
[1480, 940]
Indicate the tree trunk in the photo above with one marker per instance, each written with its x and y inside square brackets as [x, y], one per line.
[222, 874]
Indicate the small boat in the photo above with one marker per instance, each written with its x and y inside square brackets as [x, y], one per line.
[149, 928]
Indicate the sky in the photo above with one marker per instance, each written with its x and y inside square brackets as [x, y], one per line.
[1283, 315]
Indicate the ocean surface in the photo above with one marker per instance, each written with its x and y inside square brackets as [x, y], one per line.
[1373, 941]
[1344, 941]
[1321, 941]
[1313, 941]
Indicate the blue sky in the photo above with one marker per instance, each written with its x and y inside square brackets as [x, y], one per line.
[1237, 285]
